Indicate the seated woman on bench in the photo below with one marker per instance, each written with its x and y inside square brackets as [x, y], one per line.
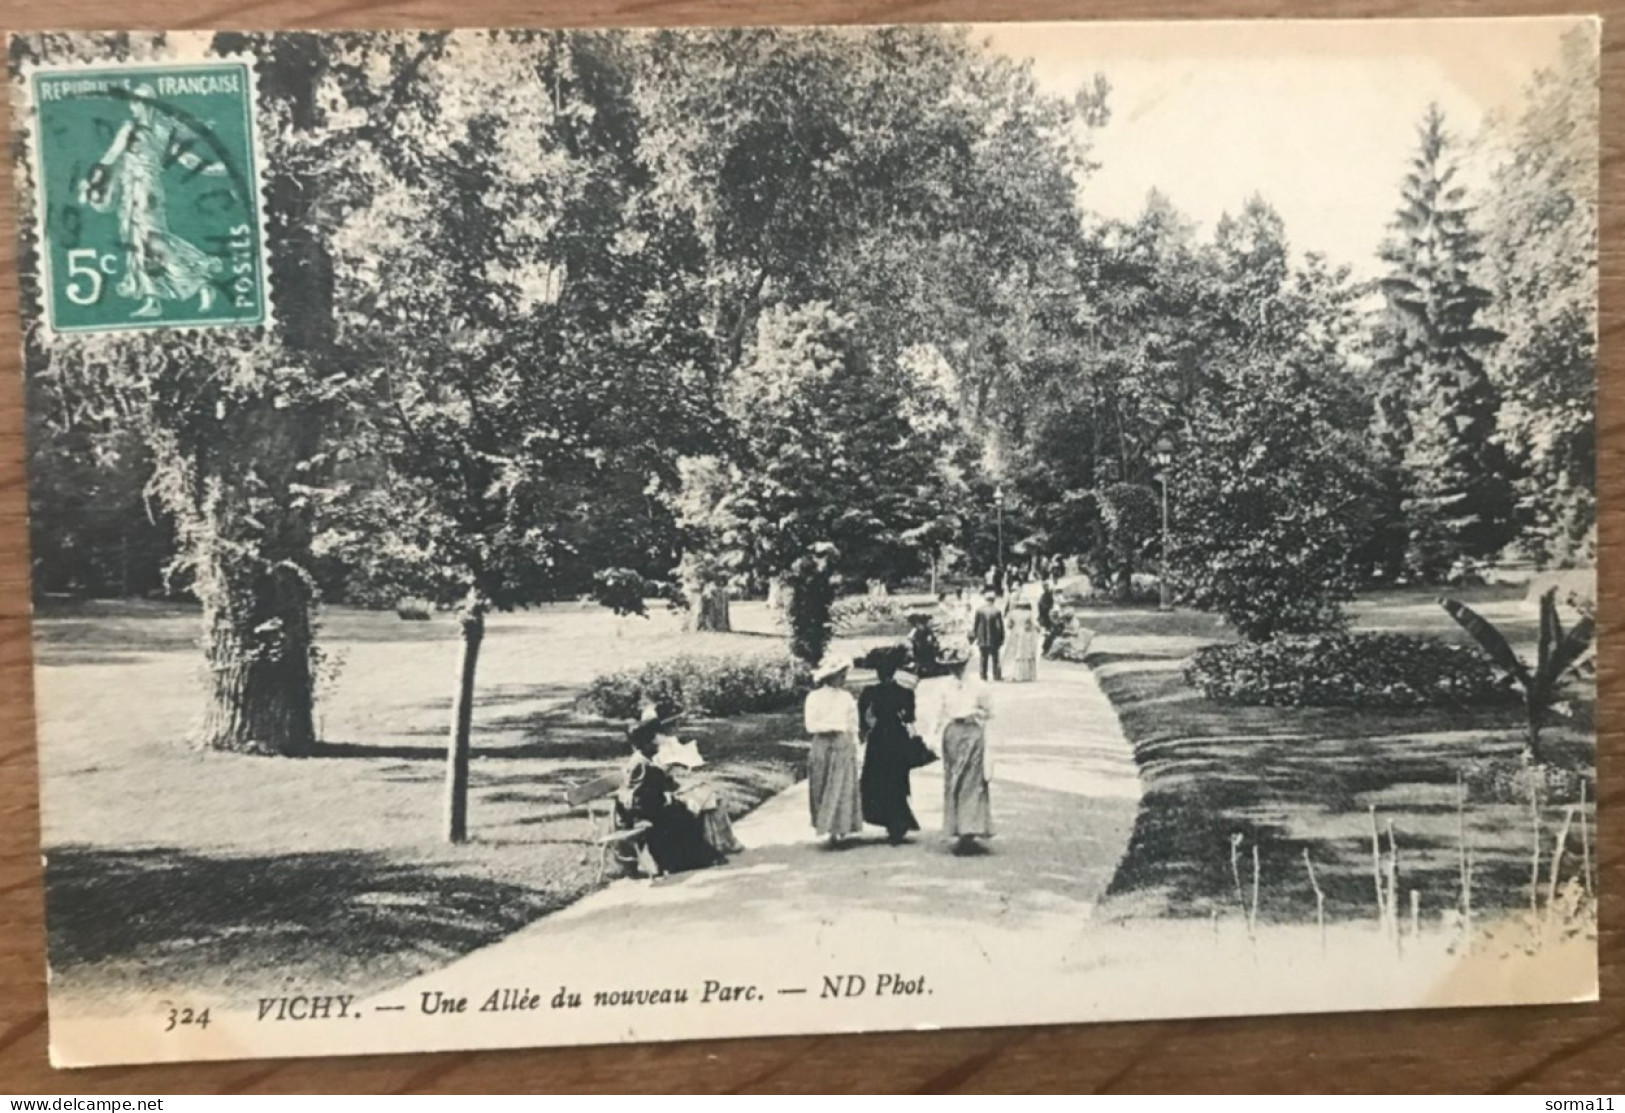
[676, 837]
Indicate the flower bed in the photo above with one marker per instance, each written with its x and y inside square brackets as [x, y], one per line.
[715, 685]
[1346, 669]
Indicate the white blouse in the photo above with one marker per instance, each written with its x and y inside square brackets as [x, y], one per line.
[968, 699]
[831, 711]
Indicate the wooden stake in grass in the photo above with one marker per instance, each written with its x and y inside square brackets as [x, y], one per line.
[1585, 841]
[1467, 920]
[1466, 858]
[1235, 871]
[1534, 864]
[1416, 916]
[1320, 899]
[1376, 871]
[1393, 888]
[1252, 919]
[1557, 860]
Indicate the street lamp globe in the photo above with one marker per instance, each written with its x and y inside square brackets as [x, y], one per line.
[1163, 452]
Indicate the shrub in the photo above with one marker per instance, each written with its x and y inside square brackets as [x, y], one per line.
[1272, 495]
[714, 685]
[1503, 781]
[1346, 670]
[868, 614]
[414, 610]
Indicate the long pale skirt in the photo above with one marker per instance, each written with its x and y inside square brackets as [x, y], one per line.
[832, 784]
[1021, 657]
[966, 809]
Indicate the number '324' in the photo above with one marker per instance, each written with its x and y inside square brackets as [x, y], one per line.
[177, 1016]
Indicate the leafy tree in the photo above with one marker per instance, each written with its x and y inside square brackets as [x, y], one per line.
[1540, 260]
[1271, 488]
[91, 529]
[1436, 404]
[233, 422]
[1270, 502]
[834, 469]
[1130, 524]
[522, 371]
[919, 172]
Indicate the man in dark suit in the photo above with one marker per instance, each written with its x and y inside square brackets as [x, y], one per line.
[987, 631]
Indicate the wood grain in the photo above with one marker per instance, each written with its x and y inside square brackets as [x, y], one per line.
[1530, 1050]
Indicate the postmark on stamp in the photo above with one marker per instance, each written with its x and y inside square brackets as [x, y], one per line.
[148, 199]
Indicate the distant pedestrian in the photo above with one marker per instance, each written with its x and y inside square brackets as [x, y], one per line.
[924, 647]
[1048, 621]
[1021, 649]
[967, 617]
[831, 718]
[987, 634]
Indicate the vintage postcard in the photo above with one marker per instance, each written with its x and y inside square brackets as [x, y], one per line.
[556, 537]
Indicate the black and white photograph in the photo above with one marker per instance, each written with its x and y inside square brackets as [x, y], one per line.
[557, 537]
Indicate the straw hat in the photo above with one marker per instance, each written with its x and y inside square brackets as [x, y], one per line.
[649, 713]
[830, 666]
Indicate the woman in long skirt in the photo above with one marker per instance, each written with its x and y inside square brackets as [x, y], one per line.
[1021, 648]
[967, 811]
[676, 838]
[886, 718]
[832, 762]
[693, 787]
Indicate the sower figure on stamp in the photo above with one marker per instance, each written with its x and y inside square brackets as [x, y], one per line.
[158, 263]
[987, 633]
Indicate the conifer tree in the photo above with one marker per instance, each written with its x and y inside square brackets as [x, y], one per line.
[1436, 405]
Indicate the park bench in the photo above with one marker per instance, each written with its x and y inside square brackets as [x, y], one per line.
[603, 834]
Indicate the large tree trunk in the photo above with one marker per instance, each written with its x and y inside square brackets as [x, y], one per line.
[710, 610]
[258, 614]
[472, 620]
[257, 623]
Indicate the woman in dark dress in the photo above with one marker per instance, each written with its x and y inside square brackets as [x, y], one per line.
[676, 840]
[886, 719]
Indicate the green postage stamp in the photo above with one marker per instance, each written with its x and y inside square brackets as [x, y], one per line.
[148, 196]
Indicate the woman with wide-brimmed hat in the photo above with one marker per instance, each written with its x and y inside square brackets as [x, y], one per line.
[694, 789]
[890, 747]
[648, 794]
[831, 717]
[966, 707]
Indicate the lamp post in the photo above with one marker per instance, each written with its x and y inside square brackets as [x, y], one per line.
[998, 506]
[1163, 453]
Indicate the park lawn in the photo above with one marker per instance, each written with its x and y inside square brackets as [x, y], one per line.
[235, 876]
[1294, 779]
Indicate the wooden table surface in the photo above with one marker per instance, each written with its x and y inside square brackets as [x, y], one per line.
[1576, 1049]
